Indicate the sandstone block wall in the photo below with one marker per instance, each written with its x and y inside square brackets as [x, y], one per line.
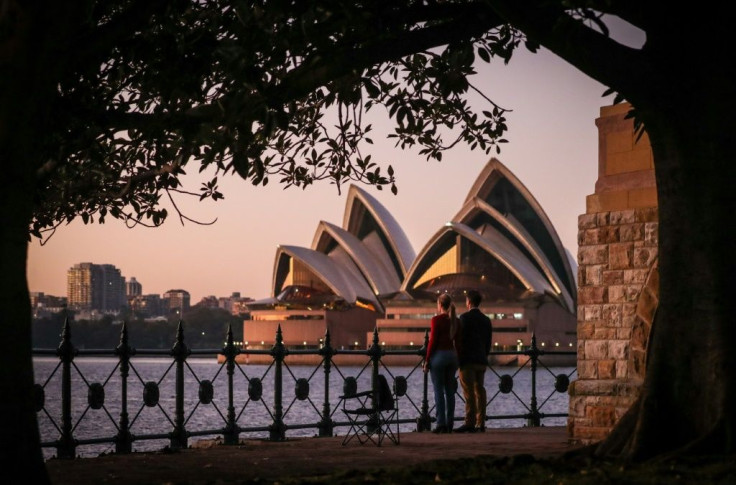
[617, 251]
[617, 279]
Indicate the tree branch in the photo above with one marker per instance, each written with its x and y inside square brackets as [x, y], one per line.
[132, 181]
[96, 45]
[634, 12]
[183, 217]
[470, 21]
[553, 28]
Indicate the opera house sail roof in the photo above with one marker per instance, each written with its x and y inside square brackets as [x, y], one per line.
[347, 266]
[374, 265]
[320, 278]
[500, 242]
[368, 219]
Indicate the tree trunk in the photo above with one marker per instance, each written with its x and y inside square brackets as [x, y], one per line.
[31, 55]
[687, 404]
[21, 449]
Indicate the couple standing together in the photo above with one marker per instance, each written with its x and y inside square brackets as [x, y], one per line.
[459, 342]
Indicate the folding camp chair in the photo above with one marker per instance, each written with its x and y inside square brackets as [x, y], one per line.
[373, 414]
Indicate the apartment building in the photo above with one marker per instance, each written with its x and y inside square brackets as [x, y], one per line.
[98, 287]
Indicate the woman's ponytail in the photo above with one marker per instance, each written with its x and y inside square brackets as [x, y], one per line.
[447, 305]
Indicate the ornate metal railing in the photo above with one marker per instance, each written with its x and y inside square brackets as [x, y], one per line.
[68, 398]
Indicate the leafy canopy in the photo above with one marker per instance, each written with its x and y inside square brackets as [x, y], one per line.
[274, 89]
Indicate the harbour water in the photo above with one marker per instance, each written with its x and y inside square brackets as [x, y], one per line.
[301, 414]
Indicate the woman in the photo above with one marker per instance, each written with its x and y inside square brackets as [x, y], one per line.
[441, 362]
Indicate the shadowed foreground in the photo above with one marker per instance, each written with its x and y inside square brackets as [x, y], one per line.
[499, 456]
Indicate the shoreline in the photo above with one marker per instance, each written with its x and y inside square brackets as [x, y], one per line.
[397, 360]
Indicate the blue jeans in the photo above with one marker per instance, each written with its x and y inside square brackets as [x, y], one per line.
[442, 367]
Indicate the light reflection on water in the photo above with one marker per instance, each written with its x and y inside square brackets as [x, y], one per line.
[102, 423]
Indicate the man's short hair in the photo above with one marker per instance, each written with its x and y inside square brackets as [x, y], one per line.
[473, 297]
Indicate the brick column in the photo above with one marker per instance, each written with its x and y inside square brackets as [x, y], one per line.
[617, 254]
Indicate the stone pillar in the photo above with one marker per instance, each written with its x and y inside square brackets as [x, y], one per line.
[617, 255]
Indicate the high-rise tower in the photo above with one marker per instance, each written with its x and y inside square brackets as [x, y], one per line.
[95, 287]
[133, 287]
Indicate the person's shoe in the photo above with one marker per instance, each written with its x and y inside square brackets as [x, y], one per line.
[440, 429]
[480, 429]
[465, 428]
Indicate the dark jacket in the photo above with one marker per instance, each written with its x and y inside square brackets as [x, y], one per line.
[475, 338]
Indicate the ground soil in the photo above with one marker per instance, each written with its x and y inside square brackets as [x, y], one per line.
[520, 456]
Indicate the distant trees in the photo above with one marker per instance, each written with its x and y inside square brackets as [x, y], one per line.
[204, 328]
[46, 331]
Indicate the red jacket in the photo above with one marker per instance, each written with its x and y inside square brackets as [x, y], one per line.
[439, 335]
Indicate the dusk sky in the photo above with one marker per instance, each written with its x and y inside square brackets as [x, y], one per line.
[552, 148]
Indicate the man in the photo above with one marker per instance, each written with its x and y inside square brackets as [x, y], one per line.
[474, 346]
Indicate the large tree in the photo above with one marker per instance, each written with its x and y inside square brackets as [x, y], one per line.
[104, 104]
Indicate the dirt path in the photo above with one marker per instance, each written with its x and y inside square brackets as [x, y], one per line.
[214, 463]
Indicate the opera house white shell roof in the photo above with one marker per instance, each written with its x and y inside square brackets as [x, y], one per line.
[500, 242]
[349, 265]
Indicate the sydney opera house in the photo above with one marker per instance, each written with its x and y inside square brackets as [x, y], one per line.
[365, 275]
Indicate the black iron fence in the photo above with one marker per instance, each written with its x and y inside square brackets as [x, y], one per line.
[229, 394]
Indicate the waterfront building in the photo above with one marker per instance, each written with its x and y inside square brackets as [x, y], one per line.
[44, 305]
[147, 306]
[210, 301]
[365, 275]
[177, 301]
[95, 287]
[233, 304]
[337, 284]
[240, 306]
[502, 244]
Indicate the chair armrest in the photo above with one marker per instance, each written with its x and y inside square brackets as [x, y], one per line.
[357, 394]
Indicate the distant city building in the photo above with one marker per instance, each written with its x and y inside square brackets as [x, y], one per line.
[46, 305]
[210, 301]
[95, 287]
[240, 306]
[233, 304]
[133, 288]
[147, 306]
[177, 301]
